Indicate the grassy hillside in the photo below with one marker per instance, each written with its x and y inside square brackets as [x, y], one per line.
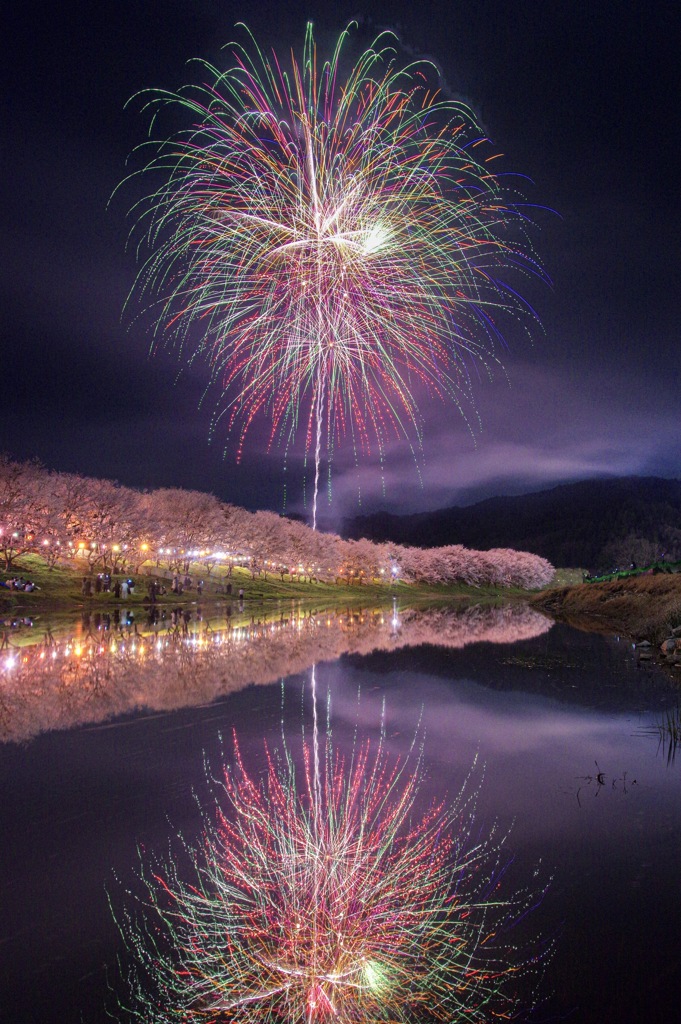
[62, 586]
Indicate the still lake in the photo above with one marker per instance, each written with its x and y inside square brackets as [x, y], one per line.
[106, 725]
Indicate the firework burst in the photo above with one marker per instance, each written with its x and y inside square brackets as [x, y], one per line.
[329, 891]
[334, 244]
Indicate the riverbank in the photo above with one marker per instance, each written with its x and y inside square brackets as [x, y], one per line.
[62, 587]
[640, 607]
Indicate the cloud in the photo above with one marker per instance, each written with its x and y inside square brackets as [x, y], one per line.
[549, 743]
[540, 432]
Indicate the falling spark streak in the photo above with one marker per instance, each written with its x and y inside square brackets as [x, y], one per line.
[333, 248]
[318, 447]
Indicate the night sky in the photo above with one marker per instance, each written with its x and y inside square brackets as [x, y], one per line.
[581, 97]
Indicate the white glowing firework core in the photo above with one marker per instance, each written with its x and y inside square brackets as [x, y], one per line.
[377, 238]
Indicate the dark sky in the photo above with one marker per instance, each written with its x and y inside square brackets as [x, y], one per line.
[581, 97]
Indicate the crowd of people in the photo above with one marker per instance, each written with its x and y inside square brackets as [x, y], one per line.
[124, 588]
[19, 583]
[103, 584]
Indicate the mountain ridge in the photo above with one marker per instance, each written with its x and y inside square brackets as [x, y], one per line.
[595, 524]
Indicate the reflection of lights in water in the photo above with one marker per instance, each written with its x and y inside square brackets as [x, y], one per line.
[329, 889]
[94, 645]
[395, 620]
[49, 685]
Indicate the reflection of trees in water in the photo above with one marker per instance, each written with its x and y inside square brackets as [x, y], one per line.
[59, 684]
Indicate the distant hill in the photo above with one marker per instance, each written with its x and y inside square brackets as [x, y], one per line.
[594, 524]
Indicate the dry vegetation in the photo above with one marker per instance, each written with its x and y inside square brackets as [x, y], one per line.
[643, 607]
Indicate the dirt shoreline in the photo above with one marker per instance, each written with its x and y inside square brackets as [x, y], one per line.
[640, 607]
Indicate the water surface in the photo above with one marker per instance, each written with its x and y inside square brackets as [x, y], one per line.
[103, 757]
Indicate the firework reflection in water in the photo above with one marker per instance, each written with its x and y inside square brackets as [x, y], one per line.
[328, 889]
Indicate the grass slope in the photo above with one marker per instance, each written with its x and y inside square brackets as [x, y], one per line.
[61, 587]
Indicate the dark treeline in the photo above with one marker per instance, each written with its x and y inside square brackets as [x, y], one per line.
[595, 524]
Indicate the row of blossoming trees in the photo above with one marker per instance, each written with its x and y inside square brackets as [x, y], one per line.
[107, 527]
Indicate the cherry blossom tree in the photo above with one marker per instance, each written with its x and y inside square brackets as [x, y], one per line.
[63, 514]
[20, 502]
[186, 522]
